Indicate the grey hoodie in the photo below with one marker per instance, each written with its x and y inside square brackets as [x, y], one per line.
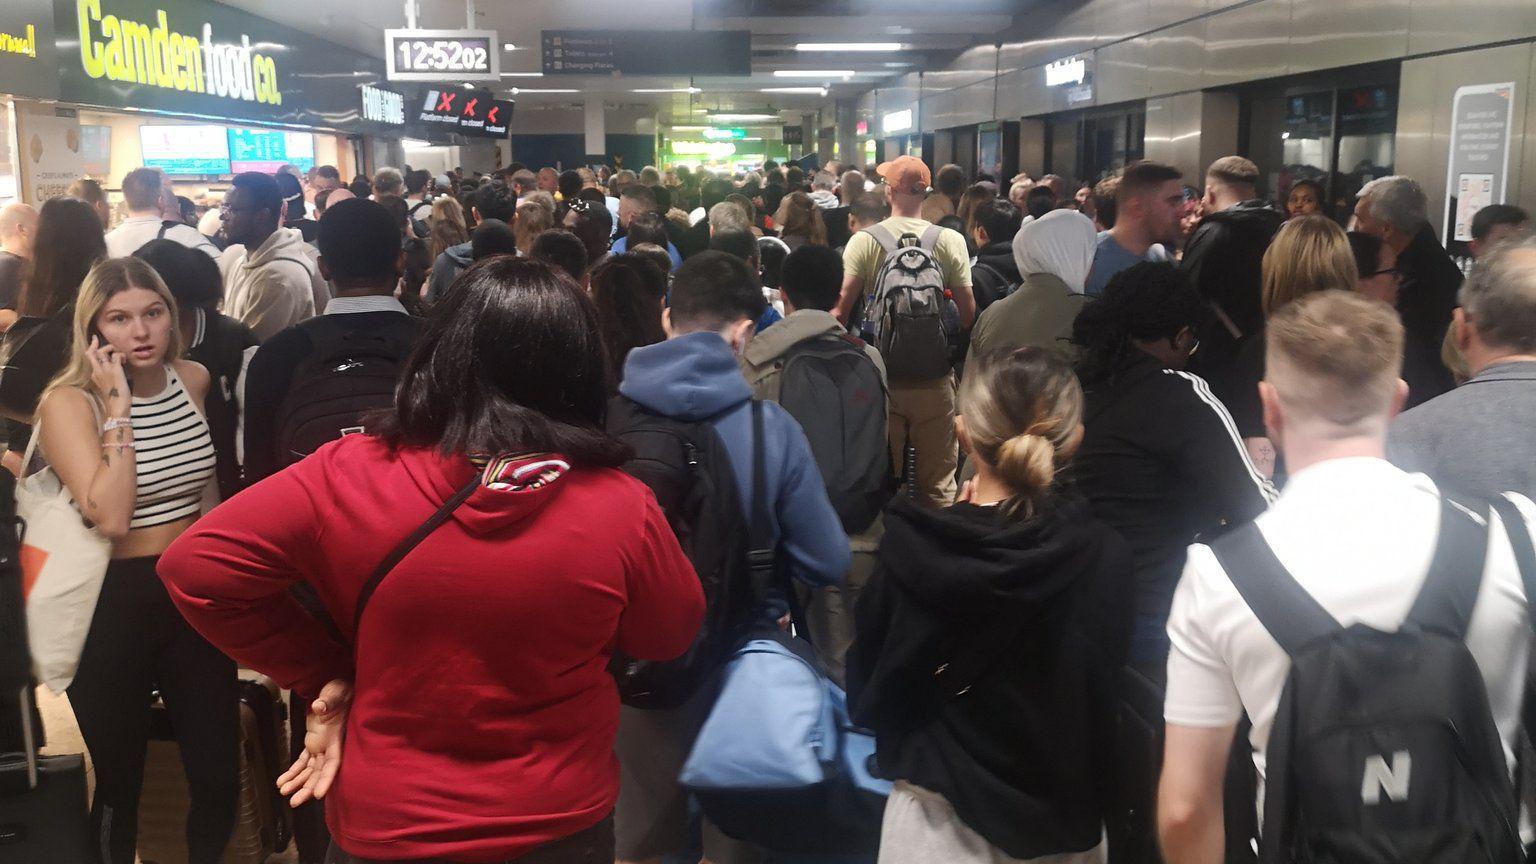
[274, 287]
[447, 267]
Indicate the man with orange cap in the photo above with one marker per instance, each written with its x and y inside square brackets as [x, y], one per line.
[922, 412]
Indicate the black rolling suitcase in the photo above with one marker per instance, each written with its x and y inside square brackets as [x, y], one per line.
[44, 817]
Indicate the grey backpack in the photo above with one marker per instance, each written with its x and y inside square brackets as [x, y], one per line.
[905, 316]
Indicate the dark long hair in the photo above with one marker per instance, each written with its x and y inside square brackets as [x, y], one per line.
[628, 290]
[69, 241]
[512, 362]
[1148, 301]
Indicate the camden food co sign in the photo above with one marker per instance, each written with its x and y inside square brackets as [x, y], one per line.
[205, 59]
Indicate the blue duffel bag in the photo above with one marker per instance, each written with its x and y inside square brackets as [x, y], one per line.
[778, 763]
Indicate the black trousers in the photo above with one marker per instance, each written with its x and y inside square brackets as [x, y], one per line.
[138, 643]
[590, 846]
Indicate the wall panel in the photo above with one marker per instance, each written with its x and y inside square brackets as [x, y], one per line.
[1326, 34]
[1248, 43]
[1176, 58]
[1120, 72]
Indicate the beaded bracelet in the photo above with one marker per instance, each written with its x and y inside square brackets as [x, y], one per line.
[117, 423]
[125, 445]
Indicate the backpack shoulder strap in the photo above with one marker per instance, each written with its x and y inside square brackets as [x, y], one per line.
[165, 226]
[1286, 610]
[1520, 542]
[929, 239]
[397, 554]
[883, 236]
[1455, 575]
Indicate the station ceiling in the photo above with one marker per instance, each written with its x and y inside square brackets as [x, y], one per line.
[929, 32]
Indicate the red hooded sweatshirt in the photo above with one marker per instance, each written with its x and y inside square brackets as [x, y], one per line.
[483, 720]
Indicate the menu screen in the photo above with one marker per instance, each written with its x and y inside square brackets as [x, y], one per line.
[185, 150]
[266, 150]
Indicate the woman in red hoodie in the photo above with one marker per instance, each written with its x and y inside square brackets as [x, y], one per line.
[483, 719]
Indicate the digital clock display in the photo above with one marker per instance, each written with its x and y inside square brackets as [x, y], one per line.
[441, 55]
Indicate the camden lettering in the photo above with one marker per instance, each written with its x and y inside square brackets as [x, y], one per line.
[154, 54]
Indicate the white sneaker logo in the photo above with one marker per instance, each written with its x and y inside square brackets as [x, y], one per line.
[1393, 780]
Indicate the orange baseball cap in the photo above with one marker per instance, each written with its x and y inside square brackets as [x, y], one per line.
[906, 174]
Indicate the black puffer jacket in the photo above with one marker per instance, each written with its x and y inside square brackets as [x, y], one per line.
[1224, 259]
[994, 274]
[1031, 616]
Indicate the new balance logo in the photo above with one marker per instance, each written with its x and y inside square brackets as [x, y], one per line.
[1380, 778]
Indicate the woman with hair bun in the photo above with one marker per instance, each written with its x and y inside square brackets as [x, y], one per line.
[990, 637]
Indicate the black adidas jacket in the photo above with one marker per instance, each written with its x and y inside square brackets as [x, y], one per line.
[1162, 464]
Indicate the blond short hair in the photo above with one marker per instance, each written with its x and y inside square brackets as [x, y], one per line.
[1309, 254]
[1335, 357]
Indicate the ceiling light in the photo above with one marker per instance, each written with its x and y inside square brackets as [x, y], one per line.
[518, 90]
[747, 116]
[689, 128]
[813, 73]
[668, 90]
[814, 91]
[522, 74]
[849, 46]
[508, 46]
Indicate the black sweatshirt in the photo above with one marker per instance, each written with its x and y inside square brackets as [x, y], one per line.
[1161, 463]
[1031, 616]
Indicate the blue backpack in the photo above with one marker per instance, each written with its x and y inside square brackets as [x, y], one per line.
[778, 763]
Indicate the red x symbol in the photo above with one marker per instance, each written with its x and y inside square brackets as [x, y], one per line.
[445, 101]
[490, 116]
[469, 110]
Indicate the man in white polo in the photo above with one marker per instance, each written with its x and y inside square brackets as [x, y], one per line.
[150, 196]
[1354, 531]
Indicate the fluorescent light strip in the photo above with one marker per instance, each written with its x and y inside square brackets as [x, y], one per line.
[668, 90]
[519, 90]
[508, 46]
[814, 91]
[522, 74]
[813, 73]
[849, 46]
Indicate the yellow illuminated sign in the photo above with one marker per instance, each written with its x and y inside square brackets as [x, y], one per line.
[26, 45]
[121, 49]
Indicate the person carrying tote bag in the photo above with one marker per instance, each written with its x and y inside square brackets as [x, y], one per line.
[63, 562]
[123, 432]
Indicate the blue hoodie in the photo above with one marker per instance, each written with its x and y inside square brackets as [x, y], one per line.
[695, 377]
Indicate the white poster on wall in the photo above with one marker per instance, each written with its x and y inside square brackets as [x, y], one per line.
[9, 190]
[1477, 171]
[49, 141]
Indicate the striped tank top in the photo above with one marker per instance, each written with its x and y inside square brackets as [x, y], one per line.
[173, 454]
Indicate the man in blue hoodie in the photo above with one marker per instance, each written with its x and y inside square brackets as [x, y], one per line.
[693, 376]
[494, 200]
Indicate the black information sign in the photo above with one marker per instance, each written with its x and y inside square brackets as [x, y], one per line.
[647, 52]
[794, 134]
[441, 110]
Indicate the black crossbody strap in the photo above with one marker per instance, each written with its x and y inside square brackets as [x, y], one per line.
[1520, 543]
[761, 558]
[1285, 608]
[1455, 574]
[405, 546]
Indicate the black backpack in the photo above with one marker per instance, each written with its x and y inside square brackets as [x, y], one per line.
[836, 393]
[1384, 748]
[689, 470]
[349, 374]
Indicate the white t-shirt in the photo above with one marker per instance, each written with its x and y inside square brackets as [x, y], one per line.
[1358, 535]
[135, 231]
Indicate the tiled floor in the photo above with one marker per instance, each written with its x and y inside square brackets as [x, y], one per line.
[159, 818]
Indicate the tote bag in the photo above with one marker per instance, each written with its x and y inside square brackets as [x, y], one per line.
[63, 563]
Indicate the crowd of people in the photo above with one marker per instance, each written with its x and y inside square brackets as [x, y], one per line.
[1017, 455]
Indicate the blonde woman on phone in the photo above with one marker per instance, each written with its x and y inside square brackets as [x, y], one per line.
[123, 427]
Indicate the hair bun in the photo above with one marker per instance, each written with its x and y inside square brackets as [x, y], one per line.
[1027, 462]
